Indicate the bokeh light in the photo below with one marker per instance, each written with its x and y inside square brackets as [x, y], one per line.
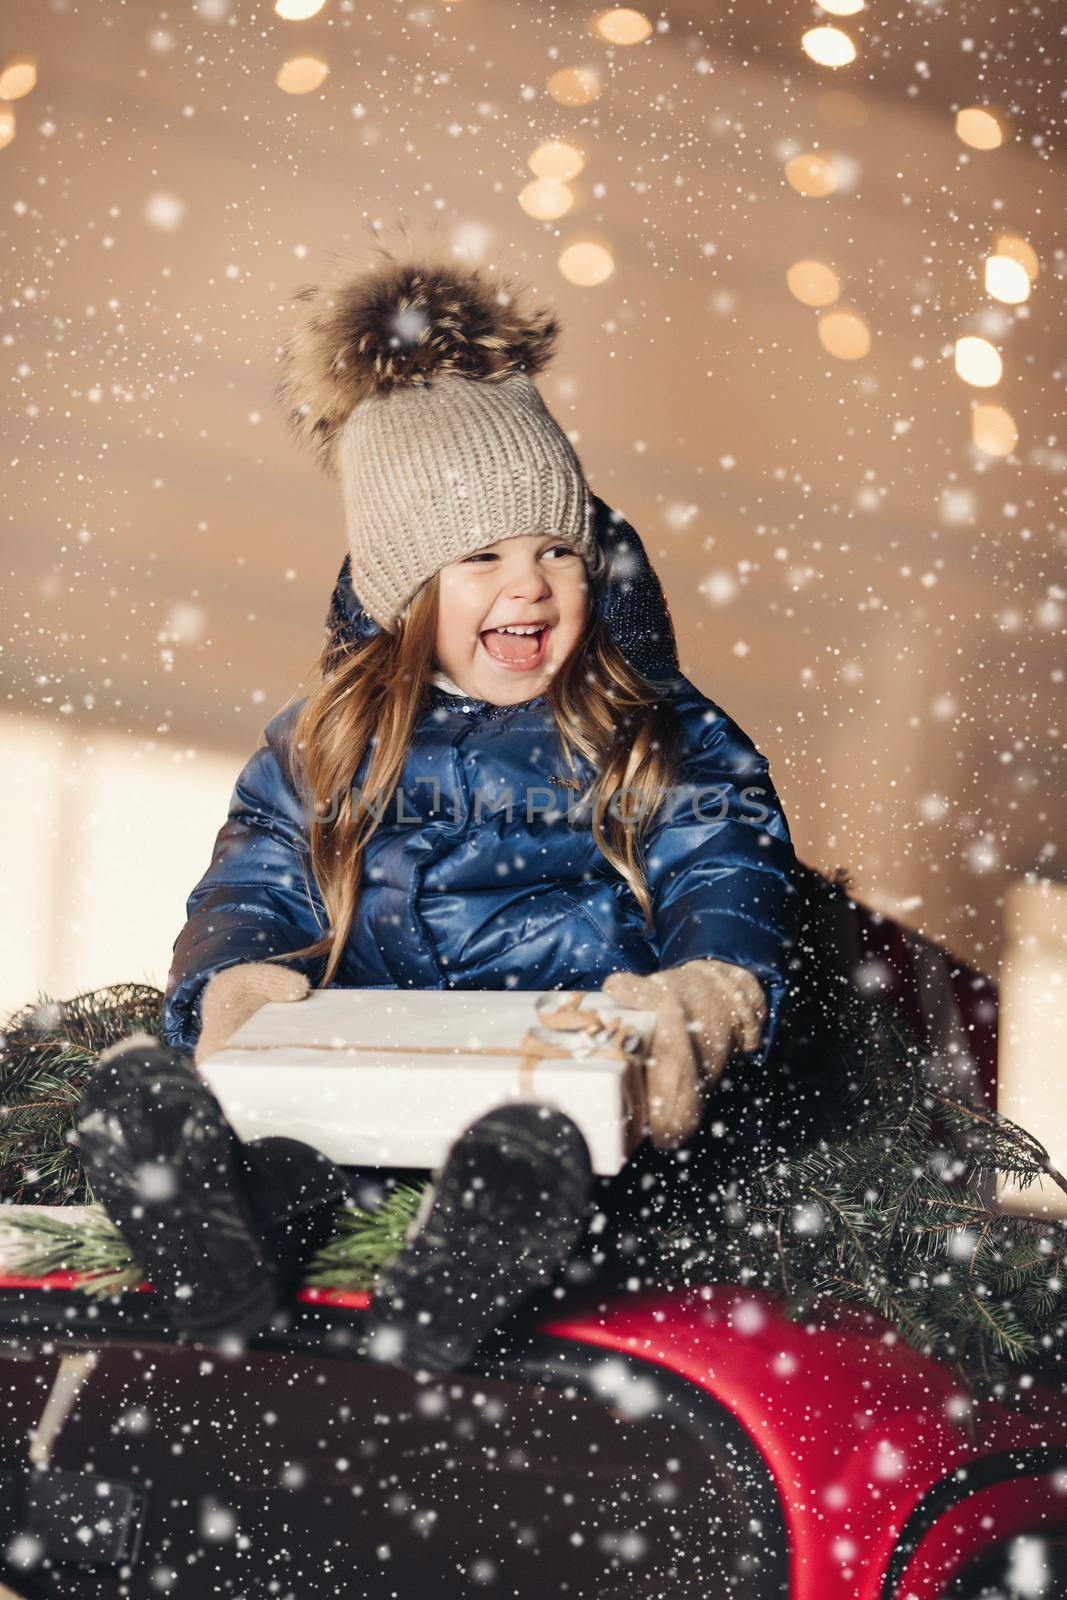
[993, 430]
[813, 283]
[298, 10]
[978, 362]
[574, 86]
[302, 75]
[623, 26]
[586, 263]
[1020, 250]
[828, 47]
[1007, 280]
[811, 175]
[18, 77]
[844, 334]
[556, 159]
[979, 128]
[546, 199]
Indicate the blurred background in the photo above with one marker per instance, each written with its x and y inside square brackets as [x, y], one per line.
[809, 265]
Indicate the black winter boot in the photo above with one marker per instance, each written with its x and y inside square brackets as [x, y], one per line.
[162, 1159]
[295, 1192]
[510, 1204]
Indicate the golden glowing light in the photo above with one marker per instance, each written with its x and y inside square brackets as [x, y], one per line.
[586, 263]
[1007, 280]
[18, 77]
[813, 283]
[842, 8]
[302, 75]
[993, 430]
[574, 86]
[977, 362]
[298, 10]
[1016, 249]
[980, 129]
[829, 47]
[844, 334]
[546, 199]
[623, 26]
[555, 159]
[811, 175]
[7, 126]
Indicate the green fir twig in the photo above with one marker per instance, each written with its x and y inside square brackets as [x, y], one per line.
[48, 1051]
[896, 1218]
[37, 1245]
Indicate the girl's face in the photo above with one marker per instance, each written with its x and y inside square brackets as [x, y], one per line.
[531, 580]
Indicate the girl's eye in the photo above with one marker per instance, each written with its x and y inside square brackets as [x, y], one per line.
[491, 555]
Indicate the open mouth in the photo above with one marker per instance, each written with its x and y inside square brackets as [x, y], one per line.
[518, 651]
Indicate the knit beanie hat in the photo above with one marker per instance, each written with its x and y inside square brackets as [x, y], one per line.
[413, 381]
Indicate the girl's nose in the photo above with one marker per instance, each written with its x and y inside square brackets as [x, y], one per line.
[529, 583]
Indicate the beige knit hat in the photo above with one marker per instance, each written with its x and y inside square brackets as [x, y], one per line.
[413, 380]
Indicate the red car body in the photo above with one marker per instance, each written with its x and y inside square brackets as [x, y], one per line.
[657, 1442]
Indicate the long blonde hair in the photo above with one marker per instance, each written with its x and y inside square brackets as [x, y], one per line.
[372, 695]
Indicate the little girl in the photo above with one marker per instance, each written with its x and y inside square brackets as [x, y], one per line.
[501, 779]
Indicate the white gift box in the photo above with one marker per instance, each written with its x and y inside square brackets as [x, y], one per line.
[388, 1077]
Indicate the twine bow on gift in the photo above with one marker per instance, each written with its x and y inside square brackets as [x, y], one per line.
[591, 1036]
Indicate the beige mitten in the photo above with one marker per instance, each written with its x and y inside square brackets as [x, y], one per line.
[236, 993]
[705, 1012]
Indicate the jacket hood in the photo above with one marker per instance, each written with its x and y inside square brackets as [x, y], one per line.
[628, 596]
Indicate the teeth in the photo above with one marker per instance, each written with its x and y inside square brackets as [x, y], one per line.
[533, 627]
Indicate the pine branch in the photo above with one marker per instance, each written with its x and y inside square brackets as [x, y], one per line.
[47, 1054]
[37, 1245]
[365, 1241]
[907, 1228]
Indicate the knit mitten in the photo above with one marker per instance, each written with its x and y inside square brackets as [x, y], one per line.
[705, 1012]
[236, 993]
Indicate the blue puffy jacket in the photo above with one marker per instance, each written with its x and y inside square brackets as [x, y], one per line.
[456, 895]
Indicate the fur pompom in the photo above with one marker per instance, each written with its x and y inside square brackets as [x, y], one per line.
[402, 322]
